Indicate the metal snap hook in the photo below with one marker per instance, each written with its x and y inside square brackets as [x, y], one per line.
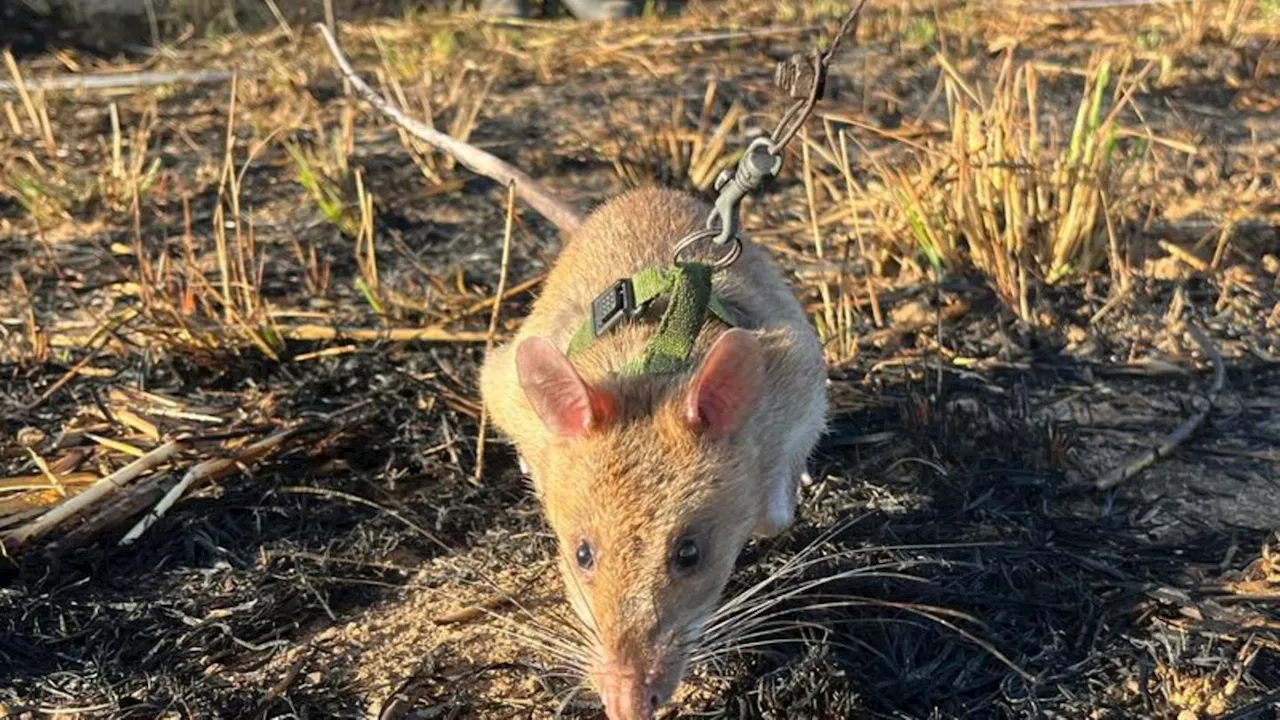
[735, 247]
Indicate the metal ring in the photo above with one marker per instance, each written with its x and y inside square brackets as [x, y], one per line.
[728, 259]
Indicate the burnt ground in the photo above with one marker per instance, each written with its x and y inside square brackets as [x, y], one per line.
[972, 568]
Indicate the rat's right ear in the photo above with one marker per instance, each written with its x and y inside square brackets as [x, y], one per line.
[727, 386]
[563, 401]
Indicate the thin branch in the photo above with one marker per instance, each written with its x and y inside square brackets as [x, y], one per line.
[115, 81]
[394, 334]
[1170, 442]
[565, 218]
[493, 324]
[209, 469]
[715, 37]
[93, 495]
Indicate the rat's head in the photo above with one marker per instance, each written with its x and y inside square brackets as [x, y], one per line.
[649, 490]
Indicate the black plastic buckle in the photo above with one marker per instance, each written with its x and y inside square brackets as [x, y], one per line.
[612, 306]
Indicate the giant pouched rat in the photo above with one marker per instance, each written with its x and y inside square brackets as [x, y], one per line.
[651, 482]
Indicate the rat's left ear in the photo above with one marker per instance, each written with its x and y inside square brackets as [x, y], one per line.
[728, 384]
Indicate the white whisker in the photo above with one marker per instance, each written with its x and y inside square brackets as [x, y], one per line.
[570, 694]
[799, 557]
[559, 648]
[779, 628]
[797, 564]
[785, 593]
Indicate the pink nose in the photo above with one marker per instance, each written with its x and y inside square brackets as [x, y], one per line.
[626, 696]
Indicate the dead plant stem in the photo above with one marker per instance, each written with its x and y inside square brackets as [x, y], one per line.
[493, 322]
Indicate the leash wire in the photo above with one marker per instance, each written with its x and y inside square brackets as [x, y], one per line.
[805, 80]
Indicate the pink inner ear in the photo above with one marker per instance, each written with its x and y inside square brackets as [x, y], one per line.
[728, 384]
[562, 400]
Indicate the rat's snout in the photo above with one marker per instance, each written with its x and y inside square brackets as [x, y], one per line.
[628, 694]
[634, 684]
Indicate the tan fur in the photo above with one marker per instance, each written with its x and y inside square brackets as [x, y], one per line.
[645, 479]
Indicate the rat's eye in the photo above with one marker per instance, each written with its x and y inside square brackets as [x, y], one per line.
[586, 558]
[687, 555]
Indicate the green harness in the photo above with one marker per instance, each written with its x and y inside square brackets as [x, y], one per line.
[690, 301]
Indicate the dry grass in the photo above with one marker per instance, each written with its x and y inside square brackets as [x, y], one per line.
[213, 296]
[675, 148]
[1016, 200]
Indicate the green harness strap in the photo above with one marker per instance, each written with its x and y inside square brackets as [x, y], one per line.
[691, 299]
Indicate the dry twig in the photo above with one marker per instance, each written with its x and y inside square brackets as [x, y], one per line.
[1170, 442]
[114, 81]
[493, 322]
[210, 469]
[479, 610]
[427, 334]
[489, 606]
[487, 303]
[565, 218]
[98, 492]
